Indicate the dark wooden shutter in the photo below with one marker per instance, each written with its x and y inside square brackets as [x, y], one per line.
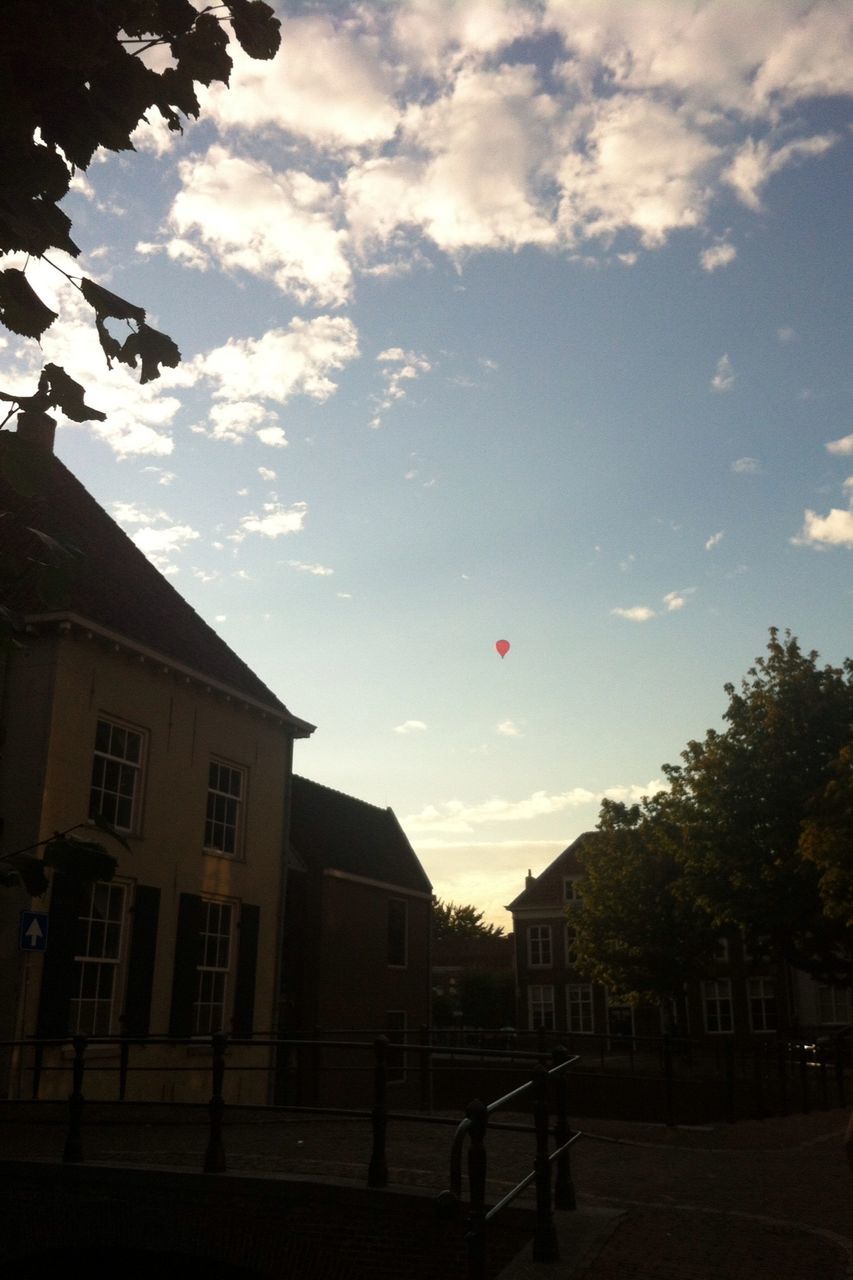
[242, 1021]
[140, 962]
[187, 960]
[59, 971]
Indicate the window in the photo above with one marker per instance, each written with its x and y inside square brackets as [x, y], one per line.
[398, 920]
[97, 960]
[571, 948]
[834, 1004]
[717, 999]
[224, 808]
[117, 775]
[572, 889]
[539, 946]
[395, 1025]
[541, 1001]
[761, 997]
[721, 950]
[213, 968]
[579, 1007]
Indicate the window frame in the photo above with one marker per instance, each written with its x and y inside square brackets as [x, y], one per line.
[238, 825]
[837, 997]
[98, 965]
[766, 1002]
[138, 768]
[544, 1005]
[539, 942]
[718, 999]
[203, 967]
[573, 890]
[585, 1004]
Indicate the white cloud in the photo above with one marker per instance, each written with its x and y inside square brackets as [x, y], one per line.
[283, 363]
[636, 613]
[234, 420]
[410, 726]
[675, 600]
[401, 368]
[833, 530]
[275, 225]
[273, 436]
[130, 513]
[266, 474]
[160, 545]
[786, 334]
[719, 255]
[455, 816]
[756, 162]
[843, 446]
[509, 729]
[276, 520]
[318, 570]
[715, 539]
[724, 377]
[746, 466]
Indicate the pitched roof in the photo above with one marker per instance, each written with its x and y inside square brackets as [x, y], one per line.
[330, 830]
[546, 888]
[105, 579]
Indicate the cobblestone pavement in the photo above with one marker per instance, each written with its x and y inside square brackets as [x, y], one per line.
[762, 1200]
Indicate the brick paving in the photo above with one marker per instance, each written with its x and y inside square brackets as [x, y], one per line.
[762, 1200]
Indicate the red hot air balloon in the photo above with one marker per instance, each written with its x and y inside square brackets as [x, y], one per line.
[502, 647]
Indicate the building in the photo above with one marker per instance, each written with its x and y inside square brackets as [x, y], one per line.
[357, 929]
[118, 700]
[745, 995]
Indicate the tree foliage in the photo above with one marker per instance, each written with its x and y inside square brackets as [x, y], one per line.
[453, 920]
[636, 931]
[72, 80]
[827, 839]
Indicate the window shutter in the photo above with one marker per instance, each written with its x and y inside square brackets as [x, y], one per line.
[140, 963]
[187, 959]
[242, 1021]
[59, 971]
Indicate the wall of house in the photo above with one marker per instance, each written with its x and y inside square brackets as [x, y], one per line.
[58, 691]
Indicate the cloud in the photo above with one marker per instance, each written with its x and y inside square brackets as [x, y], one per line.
[266, 474]
[787, 334]
[675, 600]
[756, 162]
[636, 613]
[724, 378]
[833, 530]
[160, 545]
[456, 817]
[318, 570]
[509, 729]
[715, 539]
[842, 446]
[276, 520]
[719, 255]
[746, 466]
[234, 420]
[410, 726]
[276, 225]
[401, 368]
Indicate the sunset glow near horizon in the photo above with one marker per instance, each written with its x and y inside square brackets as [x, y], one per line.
[498, 320]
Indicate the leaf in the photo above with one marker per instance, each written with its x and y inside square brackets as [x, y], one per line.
[110, 304]
[153, 349]
[21, 309]
[67, 395]
[82, 860]
[31, 872]
[256, 27]
[33, 225]
[202, 52]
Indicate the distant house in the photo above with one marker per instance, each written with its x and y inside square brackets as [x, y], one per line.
[119, 700]
[745, 995]
[357, 923]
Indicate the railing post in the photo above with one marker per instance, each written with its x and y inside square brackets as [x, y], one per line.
[669, 1109]
[804, 1079]
[316, 1068]
[545, 1247]
[425, 1065]
[782, 1075]
[839, 1070]
[38, 1060]
[377, 1170]
[475, 1236]
[757, 1083]
[564, 1189]
[73, 1152]
[214, 1160]
[730, 1081]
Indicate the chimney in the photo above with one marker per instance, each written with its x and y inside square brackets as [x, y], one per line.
[37, 428]
[529, 880]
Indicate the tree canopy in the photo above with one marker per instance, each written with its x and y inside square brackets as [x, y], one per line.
[453, 920]
[754, 835]
[73, 79]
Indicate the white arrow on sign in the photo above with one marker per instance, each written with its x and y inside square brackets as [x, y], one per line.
[34, 934]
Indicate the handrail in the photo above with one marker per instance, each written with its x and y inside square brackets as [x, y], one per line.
[525, 1182]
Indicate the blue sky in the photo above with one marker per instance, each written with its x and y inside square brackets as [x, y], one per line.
[499, 320]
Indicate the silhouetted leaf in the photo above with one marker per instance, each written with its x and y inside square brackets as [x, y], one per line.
[202, 52]
[21, 309]
[82, 860]
[256, 27]
[67, 395]
[31, 872]
[110, 304]
[153, 349]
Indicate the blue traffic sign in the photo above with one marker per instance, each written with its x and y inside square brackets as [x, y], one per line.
[33, 933]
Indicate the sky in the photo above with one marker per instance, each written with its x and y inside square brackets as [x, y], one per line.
[499, 320]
